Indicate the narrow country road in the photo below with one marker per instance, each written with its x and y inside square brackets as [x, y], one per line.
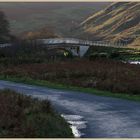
[89, 115]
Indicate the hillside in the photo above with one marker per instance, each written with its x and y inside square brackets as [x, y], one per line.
[62, 17]
[40, 33]
[118, 22]
[135, 43]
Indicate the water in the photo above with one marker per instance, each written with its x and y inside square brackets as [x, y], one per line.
[134, 62]
[76, 124]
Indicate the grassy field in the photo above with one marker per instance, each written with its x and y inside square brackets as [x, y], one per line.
[26, 117]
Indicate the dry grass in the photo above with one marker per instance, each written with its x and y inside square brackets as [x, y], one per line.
[26, 117]
[102, 74]
[118, 21]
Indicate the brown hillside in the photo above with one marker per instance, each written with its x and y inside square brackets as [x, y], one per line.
[40, 33]
[119, 21]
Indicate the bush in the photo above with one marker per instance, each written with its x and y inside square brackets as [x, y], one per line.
[108, 74]
[93, 56]
[114, 54]
[103, 55]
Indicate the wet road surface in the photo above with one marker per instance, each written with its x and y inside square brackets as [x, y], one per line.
[90, 116]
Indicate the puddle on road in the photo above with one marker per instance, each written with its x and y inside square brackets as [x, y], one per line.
[134, 62]
[76, 124]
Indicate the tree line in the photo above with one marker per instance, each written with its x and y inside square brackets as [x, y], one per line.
[5, 35]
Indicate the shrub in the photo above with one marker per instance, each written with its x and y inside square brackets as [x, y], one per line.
[103, 55]
[93, 56]
[114, 54]
[108, 74]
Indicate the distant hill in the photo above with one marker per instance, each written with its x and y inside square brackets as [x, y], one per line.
[40, 33]
[62, 17]
[118, 22]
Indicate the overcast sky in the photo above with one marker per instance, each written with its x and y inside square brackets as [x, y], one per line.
[65, 0]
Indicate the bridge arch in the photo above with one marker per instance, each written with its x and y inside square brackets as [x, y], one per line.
[76, 46]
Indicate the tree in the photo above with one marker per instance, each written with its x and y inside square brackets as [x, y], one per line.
[4, 28]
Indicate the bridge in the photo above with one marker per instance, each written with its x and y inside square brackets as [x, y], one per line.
[77, 47]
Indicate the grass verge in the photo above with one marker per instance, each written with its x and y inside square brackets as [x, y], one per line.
[25, 117]
[48, 84]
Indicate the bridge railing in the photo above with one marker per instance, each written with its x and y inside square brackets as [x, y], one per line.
[79, 42]
[5, 45]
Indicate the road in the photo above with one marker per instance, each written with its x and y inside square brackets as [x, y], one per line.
[90, 115]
